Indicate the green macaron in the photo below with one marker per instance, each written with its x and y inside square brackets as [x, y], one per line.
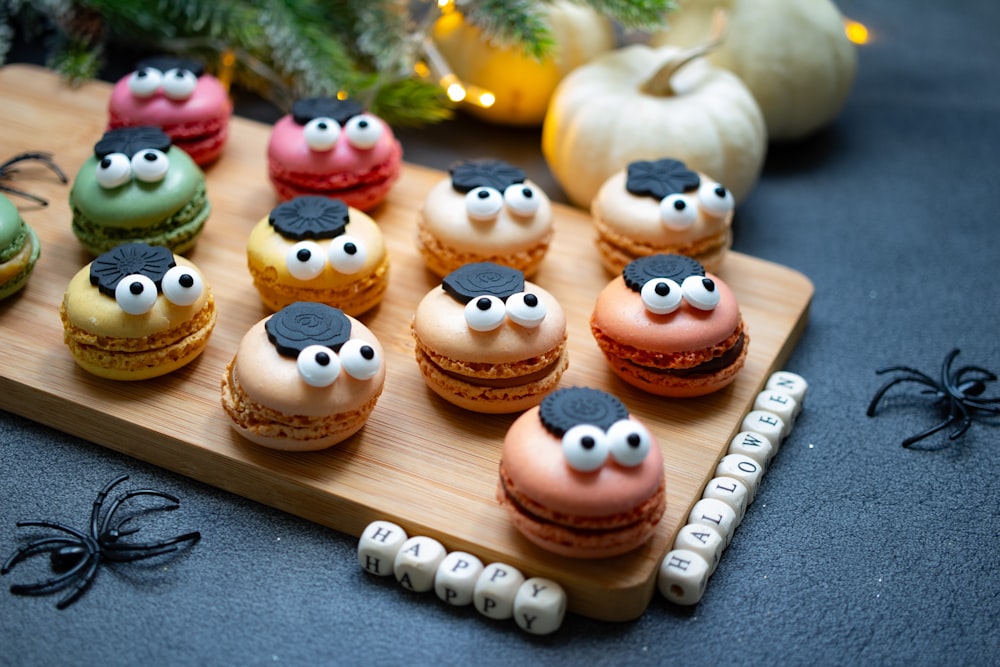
[19, 249]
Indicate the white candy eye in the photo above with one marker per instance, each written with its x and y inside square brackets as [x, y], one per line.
[629, 442]
[585, 447]
[318, 365]
[359, 359]
[347, 254]
[135, 294]
[522, 199]
[526, 309]
[661, 296]
[483, 203]
[113, 170]
[363, 131]
[700, 292]
[179, 84]
[144, 82]
[305, 260]
[182, 286]
[150, 165]
[321, 133]
[485, 313]
[715, 199]
[678, 212]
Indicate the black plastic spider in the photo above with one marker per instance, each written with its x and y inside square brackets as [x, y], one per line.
[7, 170]
[958, 390]
[76, 555]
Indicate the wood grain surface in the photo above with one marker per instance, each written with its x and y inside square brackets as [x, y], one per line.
[420, 462]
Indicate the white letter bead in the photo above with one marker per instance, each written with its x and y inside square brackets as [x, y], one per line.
[539, 606]
[716, 514]
[780, 404]
[378, 546]
[456, 577]
[417, 563]
[742, 468]
[682, 577]
[790, 383]
[731, 491]
[704, 540]
[496, 589]
[754, 445]
[767, 424]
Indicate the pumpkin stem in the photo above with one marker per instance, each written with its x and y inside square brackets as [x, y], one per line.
[660, 84]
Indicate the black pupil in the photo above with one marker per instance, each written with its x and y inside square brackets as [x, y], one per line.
[149, 157]
[322, 358]
[662, 289]
[179, 74]
[303, 255]
[350, 248]
[720, 191]
[709, 285]
[362, 124]
[105, 162]
[142, 73]
[679, 205]
[633, 440]
[587, 442]
[186, 280]
[484, 194]
[530, 300]
[321, 125]
[367, 352]
[483, 303]
[135, 288]
[528, 194]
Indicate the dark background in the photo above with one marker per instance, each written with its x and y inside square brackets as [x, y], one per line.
[856, 551]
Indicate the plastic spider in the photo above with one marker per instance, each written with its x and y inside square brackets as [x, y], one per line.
[7, 170]
[76, 555]
[958, 390]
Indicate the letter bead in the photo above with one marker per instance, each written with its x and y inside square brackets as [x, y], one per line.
[731, 491]
[417, 562]
[717, 514]
[765, 423]
[754, 445]
[780, 404]
[378, 546]
[495, 590]
[744, 469]
[539, 606]
[704, 540]
[790, 383]
[456, 578]
[682, 577]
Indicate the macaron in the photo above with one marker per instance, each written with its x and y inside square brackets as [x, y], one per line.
[177, 95]
[19, 249]
[669, 328]
[489, 341]
[303, 379]
[662, 207]
[581, 477]
[138, 187]
[484, 211]
[333, 148]
[137, 312]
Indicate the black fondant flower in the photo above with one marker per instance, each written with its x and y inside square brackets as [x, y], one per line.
[310, 217]
[130, 259]
[304, 323]
[659, 178]
[131, 140]
[165, 63]
[565, 408]
[483, 279]
[305, 110]
[676, 267]
[470, 174]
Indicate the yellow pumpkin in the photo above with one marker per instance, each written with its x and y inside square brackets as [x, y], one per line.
[793, 55]
[522, 84]
[643, 103]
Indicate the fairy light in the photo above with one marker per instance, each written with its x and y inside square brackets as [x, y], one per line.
[856, 32]
[227, 66]
[456, 89]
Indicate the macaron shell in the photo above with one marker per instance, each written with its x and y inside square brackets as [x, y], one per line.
[208, 103]
[16, 270]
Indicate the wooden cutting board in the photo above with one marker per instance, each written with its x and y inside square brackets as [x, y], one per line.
[420, 462]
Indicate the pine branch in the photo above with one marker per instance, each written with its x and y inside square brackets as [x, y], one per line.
[635, 14]
[511, 23]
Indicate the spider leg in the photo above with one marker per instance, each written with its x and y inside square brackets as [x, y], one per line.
[27, 195]
[931, 431]
[130, 552]
[53, 525]
[60, 581]
[42, 156]
[81, 585]
[44, 545]
[117, 503]
[906, 369]
[921, 379]
[102, 495]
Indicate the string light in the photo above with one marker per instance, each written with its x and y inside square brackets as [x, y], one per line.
[856, 32]
[456, 89]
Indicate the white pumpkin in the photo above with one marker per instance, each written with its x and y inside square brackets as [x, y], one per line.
[631, 104]
[793, 55]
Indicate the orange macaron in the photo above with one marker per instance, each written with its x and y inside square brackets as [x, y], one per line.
[669, 328]
[581, 477]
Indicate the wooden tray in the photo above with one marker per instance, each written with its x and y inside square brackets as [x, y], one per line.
[419, 461]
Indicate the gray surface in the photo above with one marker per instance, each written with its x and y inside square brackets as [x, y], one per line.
[855, 551]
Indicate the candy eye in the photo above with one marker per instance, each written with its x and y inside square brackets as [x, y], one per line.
[585, 447]
[150, 165]
[318, 365]
[113, 170]
[629, 442]
[359, 359]
[305, 260]
[678, 212]
[661, 296]
[135, 294]
[179, 84]
[526, 309]
[182, 286]
[347, 254]
[484, 313]
[715, 199]
[483, 203]
[363, 131]
[144, 82]
[321, 133]
[700, 292]
[521, 199]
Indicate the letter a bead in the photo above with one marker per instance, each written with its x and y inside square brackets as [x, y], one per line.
[682, 577]
[705, 541]
[378, 546]
[456, 578]
[539, 606]
[495, 590]
[417, 562]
